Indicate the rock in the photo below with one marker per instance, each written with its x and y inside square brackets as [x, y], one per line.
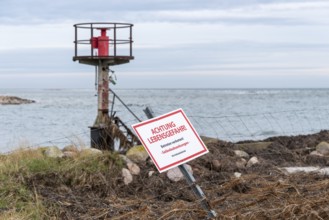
[241, 163]
[237, 174]
[91, 152]
[209, 140]
[70, 154]
[176, 175]
[323, 148]
[241, 153]
[127, 177]
[13, 100]
[216, 164]
[253, 146]
[125, 159]
[252, 162]
[323, 171]
[151, 173]
[137, 154]
[71, 148]
[53, 152]
[315, 153]
[133, 168]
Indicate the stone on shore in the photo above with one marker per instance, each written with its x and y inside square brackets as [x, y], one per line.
[176, 175]
[53, 152]
[133, 168]
[13, 100]
[316, 153]
[91, 152]
[253, 161]
[127, 177]
[137, 154]
[216, 164]
[241, 163]
[323, 148]
[241, 153]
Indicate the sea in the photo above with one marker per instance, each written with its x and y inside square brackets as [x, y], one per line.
[62, 116]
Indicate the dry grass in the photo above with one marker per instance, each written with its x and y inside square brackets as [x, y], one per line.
[35, 187]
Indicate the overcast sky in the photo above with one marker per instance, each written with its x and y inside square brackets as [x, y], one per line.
[177, 43]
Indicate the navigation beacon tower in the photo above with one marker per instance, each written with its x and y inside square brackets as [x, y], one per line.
[103, 45]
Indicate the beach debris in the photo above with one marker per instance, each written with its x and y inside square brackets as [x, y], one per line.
[176, 175]
[254, 160]
[323, 148]
[14, 100]
[127, 177]
[133, 168]
[241, 163]
[241, 153]
[137, 154]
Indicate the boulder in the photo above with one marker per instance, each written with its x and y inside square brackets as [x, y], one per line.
[127, 177]
[241, 163]
[91, 152]
[176, 175]
[13, 100]
[133, 168]
[53, 152]
[241, 153]
[137, 154]
[252, 162]
[323, 148]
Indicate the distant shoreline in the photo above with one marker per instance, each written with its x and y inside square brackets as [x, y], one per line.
[14, 100]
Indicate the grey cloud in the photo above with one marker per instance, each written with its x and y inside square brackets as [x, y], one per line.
[40, 11]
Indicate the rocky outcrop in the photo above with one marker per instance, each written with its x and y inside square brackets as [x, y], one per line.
[13, 100]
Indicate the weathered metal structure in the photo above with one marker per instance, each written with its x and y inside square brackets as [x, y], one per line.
[103, 45]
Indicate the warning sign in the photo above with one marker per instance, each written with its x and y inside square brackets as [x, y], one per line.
[170, 140]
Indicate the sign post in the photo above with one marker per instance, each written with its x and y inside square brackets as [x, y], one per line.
[171, 141]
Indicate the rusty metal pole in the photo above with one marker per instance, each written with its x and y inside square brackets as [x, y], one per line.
[103, 94]
[100, 136]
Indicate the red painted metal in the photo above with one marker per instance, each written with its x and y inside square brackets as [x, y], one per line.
[94, 42]
[103, 43]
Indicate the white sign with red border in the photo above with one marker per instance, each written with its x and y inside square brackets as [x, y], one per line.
[170, 140]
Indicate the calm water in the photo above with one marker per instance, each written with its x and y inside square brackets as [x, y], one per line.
[61, 117]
